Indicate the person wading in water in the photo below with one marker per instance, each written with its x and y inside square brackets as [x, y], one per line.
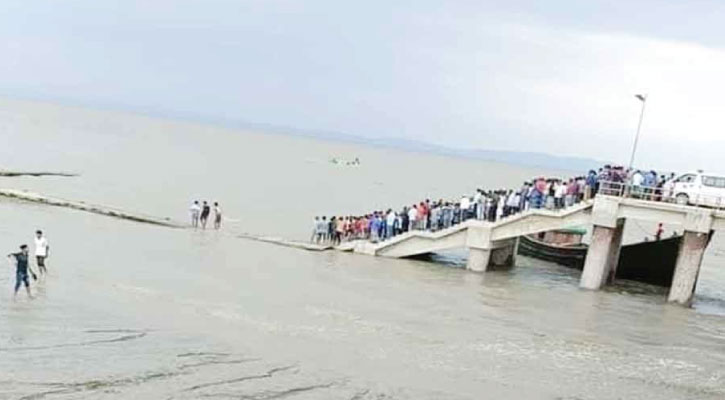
[217, 216]
[205, 209]
[21, 272]
[42, 250]
[195, 210]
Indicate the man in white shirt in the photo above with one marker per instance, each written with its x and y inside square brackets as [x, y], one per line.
[390, 224]
[195, 210]
[412, 217]
[41, 251]
[559, 194]
[464, 205]
[637, 180]
[512, 203]
[478, 203]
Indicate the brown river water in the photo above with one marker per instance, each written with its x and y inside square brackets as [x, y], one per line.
[138, 311]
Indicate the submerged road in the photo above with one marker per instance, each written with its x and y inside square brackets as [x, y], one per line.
[96, 209]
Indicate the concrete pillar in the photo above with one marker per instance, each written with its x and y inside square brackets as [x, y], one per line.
[613, 257]
[602, 256]
[687, 267]
[503, 254]
[478, 259]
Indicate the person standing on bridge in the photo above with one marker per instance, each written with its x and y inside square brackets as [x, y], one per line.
[390, 224]
[446, 215]
[405, 220]
[412, 217]
[591, 185]
[422, 216]
[399, 224]
[571, 192]
[427, 207]
[464, 206]
[559, 193]
[637, 181]
[478, 204]
[522, 195]
[500, 206]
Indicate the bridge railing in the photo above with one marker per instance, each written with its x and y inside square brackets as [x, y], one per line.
[667, 195]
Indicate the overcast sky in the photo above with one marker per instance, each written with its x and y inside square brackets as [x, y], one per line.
[551, 76]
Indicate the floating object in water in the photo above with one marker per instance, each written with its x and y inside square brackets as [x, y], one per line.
[350, 163]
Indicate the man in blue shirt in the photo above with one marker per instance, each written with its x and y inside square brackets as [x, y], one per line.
[591, 185]
[22, 268]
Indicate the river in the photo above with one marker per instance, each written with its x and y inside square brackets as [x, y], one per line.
[134, 310]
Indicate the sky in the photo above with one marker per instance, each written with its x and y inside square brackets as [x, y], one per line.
[556, 76]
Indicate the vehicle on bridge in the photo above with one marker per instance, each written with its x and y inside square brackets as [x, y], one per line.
[699, 188]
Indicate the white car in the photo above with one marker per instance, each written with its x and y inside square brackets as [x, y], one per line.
[699, 188]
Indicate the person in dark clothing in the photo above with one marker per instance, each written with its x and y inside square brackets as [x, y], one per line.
[204, 218]
[659, 232]
[22, 269]
[405, 218]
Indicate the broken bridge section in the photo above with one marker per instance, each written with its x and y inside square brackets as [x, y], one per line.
[492, 244]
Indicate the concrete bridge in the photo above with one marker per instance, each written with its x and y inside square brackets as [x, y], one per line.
[494, 243]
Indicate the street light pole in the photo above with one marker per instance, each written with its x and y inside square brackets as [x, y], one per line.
[643, 99]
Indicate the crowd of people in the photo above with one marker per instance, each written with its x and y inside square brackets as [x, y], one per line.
[492, 205]
[200, 214]
[21, 261]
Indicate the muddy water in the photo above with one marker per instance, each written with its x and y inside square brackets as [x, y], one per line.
[137, 310]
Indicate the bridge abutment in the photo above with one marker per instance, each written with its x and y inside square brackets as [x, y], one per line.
[687, 267]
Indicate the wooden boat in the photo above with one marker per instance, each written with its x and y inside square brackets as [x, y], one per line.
[651, 262]
[571, 254]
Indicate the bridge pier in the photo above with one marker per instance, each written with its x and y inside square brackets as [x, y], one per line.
[602, 256]
[501, 253]
[687, 267]
[478, 259]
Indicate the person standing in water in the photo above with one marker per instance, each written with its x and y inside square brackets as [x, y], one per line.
[195, 210]
[217, 216]
[204, 215]
[41, 251]
[21, 271]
